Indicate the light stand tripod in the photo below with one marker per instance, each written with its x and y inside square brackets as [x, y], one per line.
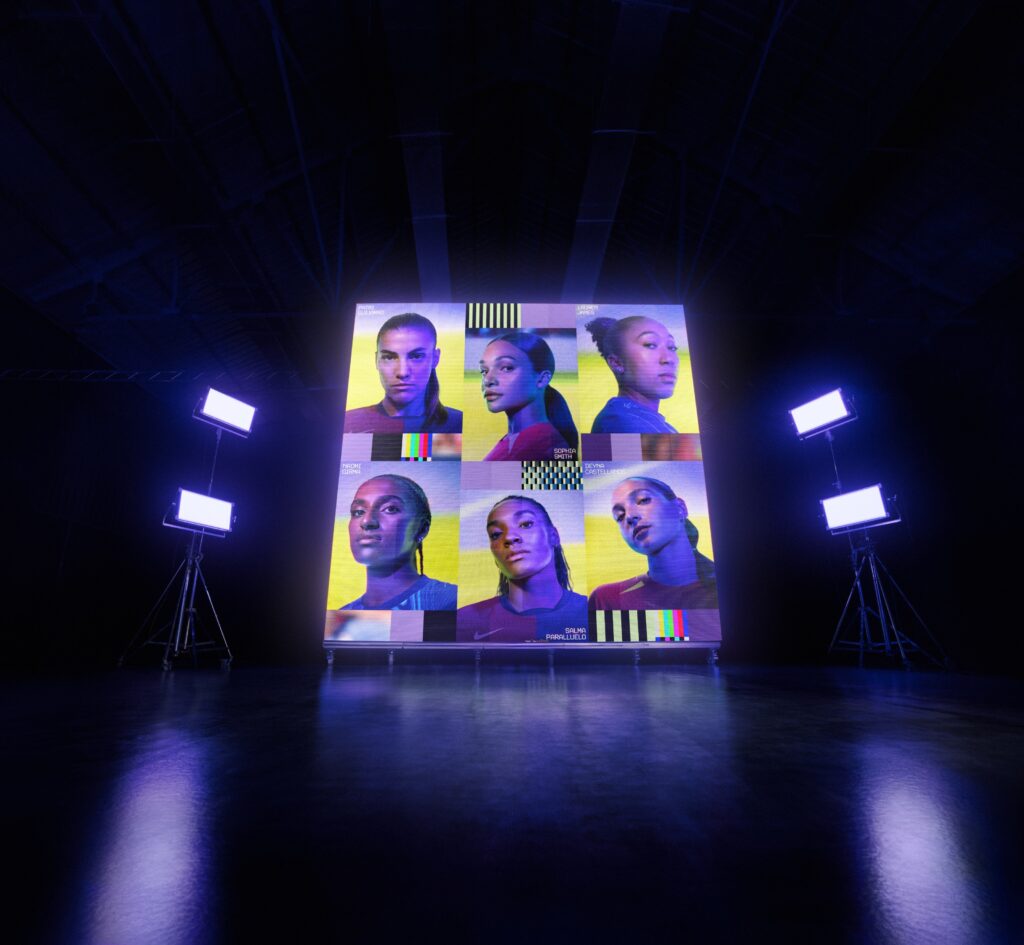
[180, 635]
[861, 556]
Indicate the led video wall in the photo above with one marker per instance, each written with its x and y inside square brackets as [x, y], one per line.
[521, 474]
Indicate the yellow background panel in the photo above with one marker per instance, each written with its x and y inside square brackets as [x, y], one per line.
[597, 385]
[610, 559]
[348, 579]
[481, 429]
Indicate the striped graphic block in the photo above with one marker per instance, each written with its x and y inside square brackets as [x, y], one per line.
[388, 447]
[658, 626]
[494, 315]
[416, 447]
[551, 474]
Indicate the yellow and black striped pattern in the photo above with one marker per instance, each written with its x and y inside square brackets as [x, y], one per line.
[494, 315]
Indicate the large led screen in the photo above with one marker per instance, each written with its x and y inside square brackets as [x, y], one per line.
[521, 474]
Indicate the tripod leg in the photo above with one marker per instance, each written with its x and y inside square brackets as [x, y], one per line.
[862, 610]
[179, 615]
[150, 616]
[190, 627]
[213, 610]
[917, 617]
[846, 607]
[883, 612]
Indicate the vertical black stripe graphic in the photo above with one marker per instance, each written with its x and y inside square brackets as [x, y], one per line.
[641, 624]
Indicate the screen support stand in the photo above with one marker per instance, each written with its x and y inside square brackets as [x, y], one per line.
[891, 641]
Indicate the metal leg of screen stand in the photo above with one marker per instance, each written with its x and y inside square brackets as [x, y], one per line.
[891, 637]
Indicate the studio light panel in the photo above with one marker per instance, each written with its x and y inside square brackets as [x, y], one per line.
[821, 414]
[863, 507]
[194, 508]
[227, 412]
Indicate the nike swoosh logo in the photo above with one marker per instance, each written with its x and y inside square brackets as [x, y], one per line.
[480, 636]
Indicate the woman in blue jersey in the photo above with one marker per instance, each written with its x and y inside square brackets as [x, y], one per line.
[535, 600]
[642, 355]
[389, 519]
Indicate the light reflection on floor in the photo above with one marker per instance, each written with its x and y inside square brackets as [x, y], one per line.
[512, 804]
[921, 878]
[151, 878]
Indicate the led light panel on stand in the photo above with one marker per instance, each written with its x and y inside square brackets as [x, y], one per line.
[196, 511]
[226, 412]
[821, 414]
[862, 508]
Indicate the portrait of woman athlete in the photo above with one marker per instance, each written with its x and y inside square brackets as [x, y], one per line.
[535, 600]
[407, 359]
[389, 519]
[653, 521]
[641, 353]
[515, 377]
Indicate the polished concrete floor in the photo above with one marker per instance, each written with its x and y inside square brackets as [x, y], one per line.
[607, 803]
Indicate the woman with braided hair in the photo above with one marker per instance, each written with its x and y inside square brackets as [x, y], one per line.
[389, 519]
[535, 600]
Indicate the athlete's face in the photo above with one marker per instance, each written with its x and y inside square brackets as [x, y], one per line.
[405, 358]
[647, 360]
[647, 519]
[384, 525]
[507, 378]
[522, 542]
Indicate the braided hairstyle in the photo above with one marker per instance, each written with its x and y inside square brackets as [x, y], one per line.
[561, 565]
[419, 500]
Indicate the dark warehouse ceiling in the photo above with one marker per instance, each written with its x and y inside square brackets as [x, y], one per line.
[197, 186]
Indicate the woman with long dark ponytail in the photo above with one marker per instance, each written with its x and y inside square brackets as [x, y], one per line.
[407, 358]
[535, 600]
[515, 377]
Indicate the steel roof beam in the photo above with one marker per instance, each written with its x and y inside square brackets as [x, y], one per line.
[636, 48]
